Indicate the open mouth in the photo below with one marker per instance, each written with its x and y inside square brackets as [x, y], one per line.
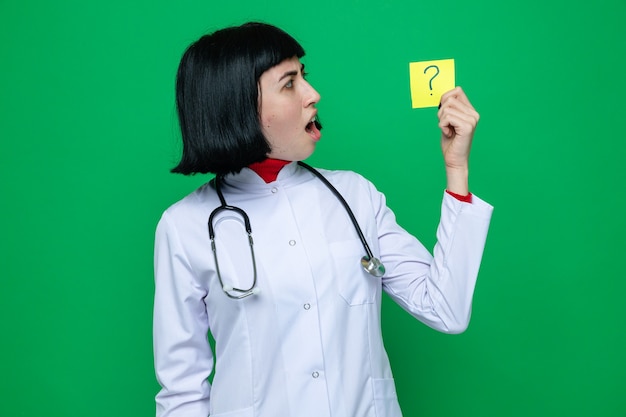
[313, 128]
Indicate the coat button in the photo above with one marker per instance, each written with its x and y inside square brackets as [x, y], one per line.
[307, 306]
[292, 243]
[315, 374]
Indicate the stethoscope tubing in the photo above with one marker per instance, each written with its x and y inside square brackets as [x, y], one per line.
[345, 205]
[370, 263]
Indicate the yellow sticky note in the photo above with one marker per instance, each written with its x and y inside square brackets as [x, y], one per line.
[429, 80]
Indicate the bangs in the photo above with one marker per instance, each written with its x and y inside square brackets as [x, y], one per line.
[264, 45]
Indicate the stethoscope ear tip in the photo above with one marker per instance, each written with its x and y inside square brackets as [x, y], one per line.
[226, 288]
[255, 290]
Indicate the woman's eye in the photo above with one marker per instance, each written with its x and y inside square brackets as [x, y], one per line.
[304, 74]
[289, 84]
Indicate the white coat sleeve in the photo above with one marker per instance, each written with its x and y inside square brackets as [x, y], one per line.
[437, 289]
[182, 354]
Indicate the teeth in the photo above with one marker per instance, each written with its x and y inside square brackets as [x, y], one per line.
[311, 124]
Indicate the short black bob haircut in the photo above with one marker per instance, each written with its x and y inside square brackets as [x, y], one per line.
[217, 96]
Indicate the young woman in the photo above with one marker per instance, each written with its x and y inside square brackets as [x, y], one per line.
[268, 259]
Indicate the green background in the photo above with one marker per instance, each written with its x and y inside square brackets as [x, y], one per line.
[88, 133]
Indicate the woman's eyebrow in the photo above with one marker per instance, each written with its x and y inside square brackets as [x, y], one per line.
[291, 73]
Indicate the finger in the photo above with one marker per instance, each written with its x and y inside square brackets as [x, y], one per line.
[462, 123]
[447, 131]
[466, 114]
[456, 93]
[455, 107]
[454, 101]
[451, 93]
[457, 129]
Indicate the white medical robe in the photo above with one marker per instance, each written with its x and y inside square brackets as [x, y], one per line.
[309, 343]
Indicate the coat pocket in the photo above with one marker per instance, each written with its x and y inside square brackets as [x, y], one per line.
[355, 286]
[385, 398]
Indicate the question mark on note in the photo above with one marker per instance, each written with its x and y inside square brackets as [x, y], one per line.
[425, 92]
[430, 82]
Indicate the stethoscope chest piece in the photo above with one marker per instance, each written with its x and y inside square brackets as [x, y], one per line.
[373, 266]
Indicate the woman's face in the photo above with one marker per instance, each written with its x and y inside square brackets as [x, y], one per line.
[288, 110]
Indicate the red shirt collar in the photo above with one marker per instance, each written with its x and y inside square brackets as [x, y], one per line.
[269, 168]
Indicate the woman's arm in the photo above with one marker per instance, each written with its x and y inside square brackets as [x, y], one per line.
[182, 355]
[438, 289]
[457, 121]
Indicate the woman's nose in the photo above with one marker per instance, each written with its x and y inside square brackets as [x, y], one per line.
[311, 96]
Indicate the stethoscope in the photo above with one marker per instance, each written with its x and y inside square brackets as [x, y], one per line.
[369, 262]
